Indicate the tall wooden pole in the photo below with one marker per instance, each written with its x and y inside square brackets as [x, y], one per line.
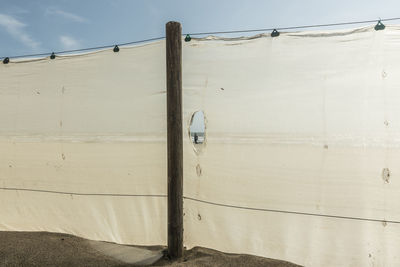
[174, 139]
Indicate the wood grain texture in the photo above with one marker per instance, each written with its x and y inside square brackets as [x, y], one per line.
[175, 144]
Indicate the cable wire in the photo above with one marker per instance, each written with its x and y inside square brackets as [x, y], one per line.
[80, 194]
[294, 27]
[292, 212]
[86, 49]
[204, 33]
[201, 201]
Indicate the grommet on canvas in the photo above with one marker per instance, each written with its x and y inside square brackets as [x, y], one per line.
[116, 49]
[379, 26]
[188, 38]
[6, 60]
[275, 33]
[52, 56]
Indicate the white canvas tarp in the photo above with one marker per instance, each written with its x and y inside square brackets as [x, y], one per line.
[83, 145]
[299, 164]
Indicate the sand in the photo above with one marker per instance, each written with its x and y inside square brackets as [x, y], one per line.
[54, 249]
[199, 257]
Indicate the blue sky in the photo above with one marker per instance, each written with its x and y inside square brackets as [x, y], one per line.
[28, 26]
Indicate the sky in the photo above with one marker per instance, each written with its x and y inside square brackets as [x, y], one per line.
[43, 26]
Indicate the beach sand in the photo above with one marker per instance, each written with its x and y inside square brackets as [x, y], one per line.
[55, 249]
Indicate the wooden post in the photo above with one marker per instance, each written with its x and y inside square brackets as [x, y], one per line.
[174, 139]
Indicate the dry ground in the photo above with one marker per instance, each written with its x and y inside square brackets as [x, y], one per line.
[54, 249]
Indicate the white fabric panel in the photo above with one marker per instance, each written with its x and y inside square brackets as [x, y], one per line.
[299, 129]
[83, 141]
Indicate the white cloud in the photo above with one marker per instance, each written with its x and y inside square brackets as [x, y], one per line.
[64, 14]
[17, 30]
[69, 42]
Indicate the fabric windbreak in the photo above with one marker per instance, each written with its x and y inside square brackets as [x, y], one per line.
[299, 163]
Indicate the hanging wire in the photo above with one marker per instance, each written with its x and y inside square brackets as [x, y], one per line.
[87, 49]
[294, 27]
[205, 33]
